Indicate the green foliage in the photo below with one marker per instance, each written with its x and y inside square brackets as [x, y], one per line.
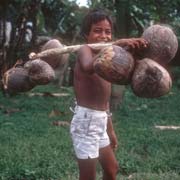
[131, 17]
[64, 18]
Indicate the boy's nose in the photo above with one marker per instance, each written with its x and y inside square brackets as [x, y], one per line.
[103, 34]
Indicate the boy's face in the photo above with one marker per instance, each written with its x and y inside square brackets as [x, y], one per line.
[100, 32]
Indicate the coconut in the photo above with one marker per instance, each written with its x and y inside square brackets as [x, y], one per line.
[150, 79]
[39, 72]
[54, 60]
[17, 80]
[163, 43]
[114, 64]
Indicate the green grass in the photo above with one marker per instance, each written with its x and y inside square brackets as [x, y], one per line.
[32, 148]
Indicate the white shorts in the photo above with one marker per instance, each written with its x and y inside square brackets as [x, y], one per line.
[88, 131]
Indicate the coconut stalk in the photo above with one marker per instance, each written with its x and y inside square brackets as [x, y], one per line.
[66, 49]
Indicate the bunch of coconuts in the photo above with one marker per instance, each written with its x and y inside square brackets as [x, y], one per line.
[146, 74]
[22, 78]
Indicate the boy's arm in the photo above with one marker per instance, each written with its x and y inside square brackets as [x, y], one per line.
[85, 58]
[133, 45]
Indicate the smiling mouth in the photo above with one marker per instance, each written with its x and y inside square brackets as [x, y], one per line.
[102, 41]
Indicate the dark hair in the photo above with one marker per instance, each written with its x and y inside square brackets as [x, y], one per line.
[93, 17]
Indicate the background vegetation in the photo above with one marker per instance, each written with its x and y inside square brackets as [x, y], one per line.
[34, 130]
[62, 19]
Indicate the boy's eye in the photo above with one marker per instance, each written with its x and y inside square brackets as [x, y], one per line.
[97, 30]
[108, 32]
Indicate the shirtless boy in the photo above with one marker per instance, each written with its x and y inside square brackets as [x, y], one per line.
[92, 131]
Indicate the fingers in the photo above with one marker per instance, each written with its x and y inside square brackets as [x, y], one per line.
[114, 146]
[132, 44]
[142, 43]
[137, 46]
[114, 143]
[138, 43]
[32, 55]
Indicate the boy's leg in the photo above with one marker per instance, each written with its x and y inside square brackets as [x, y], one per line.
[87, 169]
[108, 162]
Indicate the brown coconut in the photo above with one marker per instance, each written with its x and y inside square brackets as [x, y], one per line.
[150, 79]
[54, 60]
[17, 80]
[163, 43]
[39, 72]
[114, 64]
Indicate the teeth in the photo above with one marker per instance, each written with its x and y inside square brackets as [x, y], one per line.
[102, 41]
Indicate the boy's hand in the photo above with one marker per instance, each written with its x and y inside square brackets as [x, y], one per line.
[133, 45]
[113, 140]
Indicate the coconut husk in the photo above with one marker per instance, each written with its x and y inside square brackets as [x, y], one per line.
[39, 72]
[114, 64]
[150, 79]
[162, 42]
[17, 80]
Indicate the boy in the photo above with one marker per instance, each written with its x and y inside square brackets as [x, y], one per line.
[92, 131]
